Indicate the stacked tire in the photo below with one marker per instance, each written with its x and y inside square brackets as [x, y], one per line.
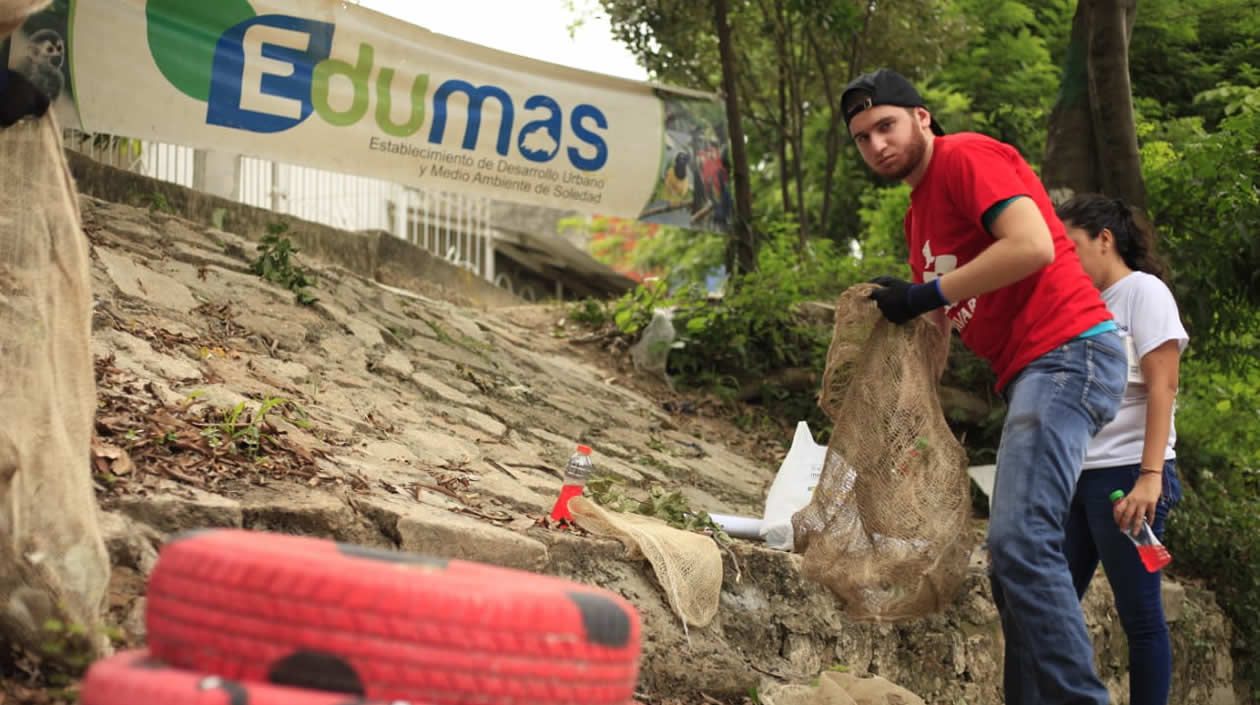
[245, 618]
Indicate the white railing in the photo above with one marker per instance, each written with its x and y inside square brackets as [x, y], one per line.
[453, 226]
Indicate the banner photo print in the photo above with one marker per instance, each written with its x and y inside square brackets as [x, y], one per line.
[331, 85]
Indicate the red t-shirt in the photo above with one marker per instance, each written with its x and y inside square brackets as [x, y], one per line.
[1010, 327]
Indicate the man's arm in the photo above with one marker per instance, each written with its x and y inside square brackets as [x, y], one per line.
[1022, 246]
[14, 12]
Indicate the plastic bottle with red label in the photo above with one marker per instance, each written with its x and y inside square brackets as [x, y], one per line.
[575, 475]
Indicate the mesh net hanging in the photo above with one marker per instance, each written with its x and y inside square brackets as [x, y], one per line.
[886, 528]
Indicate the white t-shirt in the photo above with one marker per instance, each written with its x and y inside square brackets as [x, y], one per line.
[1147, 317]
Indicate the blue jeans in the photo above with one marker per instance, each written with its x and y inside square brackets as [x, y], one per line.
[1092, 534]
[1055, 405]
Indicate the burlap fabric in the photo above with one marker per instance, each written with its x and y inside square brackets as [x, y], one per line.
[886, 528]
[688, 565]
[53, 563]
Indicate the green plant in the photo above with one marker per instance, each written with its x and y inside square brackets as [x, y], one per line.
[591, 313]
[1214, 533]
[1203, 199]
[244, 429]
[70, 648]
[275, 265]
[1202, 196]
[669, 506]
[156, 202]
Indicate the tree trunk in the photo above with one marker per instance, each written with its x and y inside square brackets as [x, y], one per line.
[1111, 101]
[784, 184]
[741, 250]
[796, 70]
[1092, 141]
[833, 134]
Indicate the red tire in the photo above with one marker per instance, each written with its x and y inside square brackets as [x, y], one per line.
[136, 678]
[309, 613]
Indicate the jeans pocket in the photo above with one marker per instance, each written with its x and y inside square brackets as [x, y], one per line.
[1110, 364]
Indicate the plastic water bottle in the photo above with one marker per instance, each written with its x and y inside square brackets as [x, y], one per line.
[575, 474]
[1153, 554]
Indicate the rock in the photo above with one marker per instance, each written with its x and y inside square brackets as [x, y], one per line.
[192, 509]
[772, 692]
[309, 513]
[432, 386]
[133, 624]
[831, 692]
[395, 364]
[485, 423]
[288, 333]
[511, 492]
[1174, 600]
[869, 690]
[449, 535]
[367, 333]
[129, 542]
[440, 448]
[143, 283]
[137, 356]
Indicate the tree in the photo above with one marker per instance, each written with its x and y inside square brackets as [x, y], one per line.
[792, 59]
[1092, 143]
[741, 252]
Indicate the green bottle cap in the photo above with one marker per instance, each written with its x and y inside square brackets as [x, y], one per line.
[1117, 495]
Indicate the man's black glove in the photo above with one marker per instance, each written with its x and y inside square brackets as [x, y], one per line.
[900, 301]
[19, 98]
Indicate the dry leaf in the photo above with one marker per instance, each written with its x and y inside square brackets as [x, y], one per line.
[119, 462]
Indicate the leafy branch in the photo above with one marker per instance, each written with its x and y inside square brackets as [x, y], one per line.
[275, 265]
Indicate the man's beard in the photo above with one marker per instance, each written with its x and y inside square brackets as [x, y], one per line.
[914, 154]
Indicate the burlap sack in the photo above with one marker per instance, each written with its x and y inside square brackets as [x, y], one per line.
[53, 563]
[886, 528]
[14, 12]
[841, 688]
[687, 564]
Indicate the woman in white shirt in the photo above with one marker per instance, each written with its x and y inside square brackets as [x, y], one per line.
[1134, 452]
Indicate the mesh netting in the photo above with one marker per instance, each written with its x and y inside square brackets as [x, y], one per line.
[687, 564]
[53, 563]
[886, 528]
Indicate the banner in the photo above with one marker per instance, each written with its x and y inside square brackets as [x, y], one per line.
[331, 85]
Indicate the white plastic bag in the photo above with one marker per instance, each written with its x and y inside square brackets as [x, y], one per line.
[792, 488]
[651, 353]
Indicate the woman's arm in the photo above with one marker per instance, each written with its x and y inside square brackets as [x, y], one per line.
[1160, 370]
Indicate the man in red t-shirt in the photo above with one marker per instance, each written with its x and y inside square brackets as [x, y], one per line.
[987, 251]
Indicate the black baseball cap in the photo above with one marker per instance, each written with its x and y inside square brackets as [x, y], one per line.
[881, 87]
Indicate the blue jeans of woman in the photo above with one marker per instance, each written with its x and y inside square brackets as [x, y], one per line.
[1055, 405]
[1092, 535]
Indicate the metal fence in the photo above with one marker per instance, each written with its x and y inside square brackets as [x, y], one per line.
[453, 226]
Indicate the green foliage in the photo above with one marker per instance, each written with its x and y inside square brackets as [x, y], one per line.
[682, 255]
[1006, 70]
[1215, 533]
[669, 506]
[1202, 195]
[274, 264]
[244, 430]
[1218, 423]
[591, 313]
[883, 243]
[68, 648]
[155, 201]
[738, 341]
[1181, 48]
[1201, 187]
